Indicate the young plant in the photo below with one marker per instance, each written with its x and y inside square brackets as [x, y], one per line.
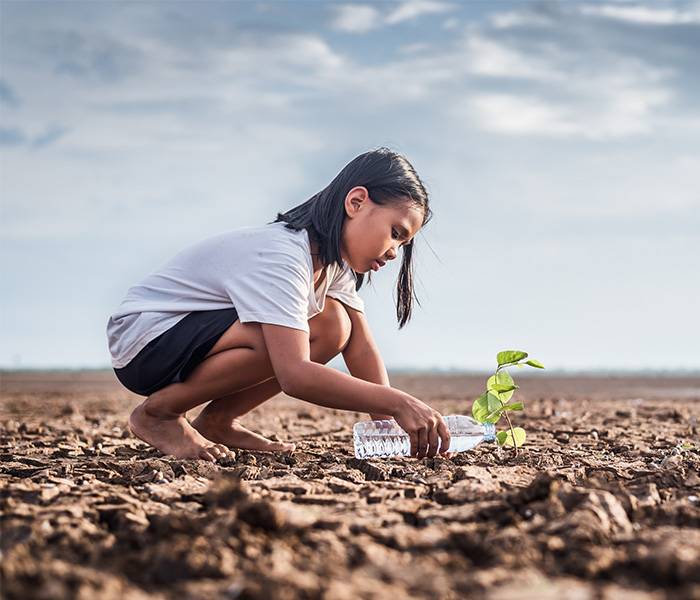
[495, 402]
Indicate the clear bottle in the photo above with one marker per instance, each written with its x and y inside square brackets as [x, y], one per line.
[385, 438]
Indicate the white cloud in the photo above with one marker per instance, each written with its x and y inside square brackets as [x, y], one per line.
[555, 89]
[310, 50]
[490, 57]
[308, 53]
[561, 91]
[412, 9]
[520, 115]
[510, 19]
[451, 23]
[356, 18]
[414, 48]
[174, 133]
[361, 18]
[123, 178]
[644, 15]
[612, 113]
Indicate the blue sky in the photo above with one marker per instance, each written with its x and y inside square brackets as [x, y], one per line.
[558, 141]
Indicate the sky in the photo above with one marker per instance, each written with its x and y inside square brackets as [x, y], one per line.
[559, 142]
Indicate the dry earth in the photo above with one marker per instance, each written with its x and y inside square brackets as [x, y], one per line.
[601, 503]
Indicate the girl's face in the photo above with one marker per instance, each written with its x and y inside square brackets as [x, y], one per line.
[373, 233]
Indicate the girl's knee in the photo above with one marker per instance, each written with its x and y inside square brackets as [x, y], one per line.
[257, 343]
[342, 326]
[332, 326]
[244, 336]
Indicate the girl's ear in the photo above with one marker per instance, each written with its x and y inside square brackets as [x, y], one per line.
[357, 198]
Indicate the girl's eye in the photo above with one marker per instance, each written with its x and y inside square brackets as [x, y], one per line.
[396, 235]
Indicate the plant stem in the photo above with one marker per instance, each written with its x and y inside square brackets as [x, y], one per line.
[505, 413]
[512, 433]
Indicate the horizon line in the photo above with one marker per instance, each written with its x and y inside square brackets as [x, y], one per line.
[591, 371]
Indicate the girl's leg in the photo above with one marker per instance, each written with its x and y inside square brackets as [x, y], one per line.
[238, 361]
[218, 422]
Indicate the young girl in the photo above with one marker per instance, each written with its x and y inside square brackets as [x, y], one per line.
[239, 317]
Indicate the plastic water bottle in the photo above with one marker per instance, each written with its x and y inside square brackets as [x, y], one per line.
[385, 438]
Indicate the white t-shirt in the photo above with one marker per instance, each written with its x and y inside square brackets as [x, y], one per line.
[265, 273]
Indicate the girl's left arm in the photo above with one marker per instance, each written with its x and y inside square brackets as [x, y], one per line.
[361, 354]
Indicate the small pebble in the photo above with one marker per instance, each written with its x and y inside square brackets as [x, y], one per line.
[671, 461]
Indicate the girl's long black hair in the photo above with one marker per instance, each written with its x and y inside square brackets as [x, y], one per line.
[388, 177]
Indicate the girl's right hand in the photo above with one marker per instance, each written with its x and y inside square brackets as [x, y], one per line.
[424, 425]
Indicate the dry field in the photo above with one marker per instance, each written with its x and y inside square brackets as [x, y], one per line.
[601, 503]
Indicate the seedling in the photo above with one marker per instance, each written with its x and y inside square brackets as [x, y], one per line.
[495, 402]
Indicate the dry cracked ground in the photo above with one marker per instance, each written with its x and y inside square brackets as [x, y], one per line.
[601, 503]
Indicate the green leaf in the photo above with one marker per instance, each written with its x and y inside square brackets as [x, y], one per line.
[481, 410]
[502, 409]
[492, 401]
[502, 387]
[519, 437]
[501, 437]
[514, 406]
[502, 378]
[506, 357]
[535, 363]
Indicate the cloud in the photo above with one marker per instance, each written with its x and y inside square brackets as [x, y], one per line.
[493, 58]
[610, 108]
[644, 15]
[575, 80]
[312, 51]
[491, 75]
[521, 115]
[619, 116]
[522, 18]
[7, 95]
[11, 136]
[560, 86]
[412, 9]
[570, 81]
[451, 23]
[361, 18]
[90, 55]
[414, 48]
[356, 18]
[49, 136]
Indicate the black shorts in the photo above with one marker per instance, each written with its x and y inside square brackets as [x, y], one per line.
[173, 355]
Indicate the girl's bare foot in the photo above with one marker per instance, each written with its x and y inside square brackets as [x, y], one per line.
[173, 435]
[236, 436]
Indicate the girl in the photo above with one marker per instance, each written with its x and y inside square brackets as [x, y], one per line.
[239, 317]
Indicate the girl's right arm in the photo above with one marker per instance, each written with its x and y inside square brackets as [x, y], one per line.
[302, 378]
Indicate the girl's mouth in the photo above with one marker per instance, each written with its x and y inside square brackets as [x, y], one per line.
[377, 264]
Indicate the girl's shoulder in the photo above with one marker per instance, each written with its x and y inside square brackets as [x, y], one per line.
[271, 230]
[269, 235]
[262, 244]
